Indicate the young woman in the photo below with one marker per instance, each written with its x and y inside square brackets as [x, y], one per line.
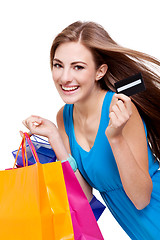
[114, 139]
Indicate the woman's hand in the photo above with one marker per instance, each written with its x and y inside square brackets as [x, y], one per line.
[120, 112]
[46, 128]
[40, 126]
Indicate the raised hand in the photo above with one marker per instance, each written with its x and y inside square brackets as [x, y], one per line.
[120, 113]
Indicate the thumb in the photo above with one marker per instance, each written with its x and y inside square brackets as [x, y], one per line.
[21, 133]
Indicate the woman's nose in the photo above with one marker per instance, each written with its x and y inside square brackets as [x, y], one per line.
[66, 76]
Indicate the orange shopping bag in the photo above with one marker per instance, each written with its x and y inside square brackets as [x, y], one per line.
[27, 211]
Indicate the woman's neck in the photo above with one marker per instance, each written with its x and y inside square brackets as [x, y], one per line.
[89, 107]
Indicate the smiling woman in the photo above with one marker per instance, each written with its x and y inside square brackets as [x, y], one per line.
[113, 138]
[75, 74]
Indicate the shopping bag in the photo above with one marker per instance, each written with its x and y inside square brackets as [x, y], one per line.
[34, 203]
[44, 151]
[84, 223]
[97, 207]
[46, 154]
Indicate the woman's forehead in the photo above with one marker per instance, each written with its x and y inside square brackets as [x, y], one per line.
[73, 51]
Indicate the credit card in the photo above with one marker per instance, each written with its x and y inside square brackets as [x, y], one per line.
[131, 85]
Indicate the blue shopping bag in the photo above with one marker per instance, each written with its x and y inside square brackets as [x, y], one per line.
[44, 151]
[97, 207]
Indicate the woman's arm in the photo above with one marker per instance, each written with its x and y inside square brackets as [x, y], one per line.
[58, 140]
[85, 186]
[127, 139]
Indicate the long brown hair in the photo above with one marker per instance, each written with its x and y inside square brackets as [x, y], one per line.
[122, 63]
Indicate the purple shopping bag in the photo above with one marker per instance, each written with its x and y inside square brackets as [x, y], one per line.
[43, 149]
[83, 220]
[97, 207]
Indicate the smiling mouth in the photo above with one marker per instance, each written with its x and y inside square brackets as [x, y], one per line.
[69, 89]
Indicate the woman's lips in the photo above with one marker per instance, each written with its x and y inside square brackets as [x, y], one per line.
[69, 88]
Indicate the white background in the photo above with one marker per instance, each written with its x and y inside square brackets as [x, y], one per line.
[27, 29]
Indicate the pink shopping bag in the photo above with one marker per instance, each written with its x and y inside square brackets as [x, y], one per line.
[84, 223]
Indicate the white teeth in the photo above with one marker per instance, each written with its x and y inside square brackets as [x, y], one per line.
[69, 88]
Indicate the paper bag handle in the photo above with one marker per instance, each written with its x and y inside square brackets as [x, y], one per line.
[31, 147]
[24, 152]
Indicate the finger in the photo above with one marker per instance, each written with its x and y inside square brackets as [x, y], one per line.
[121, 96]
[113, 119]
[36, 123]
[126, 113]
[32, 121]
[115, 109]
[126, 100]
[21, 133]
[121, 106]
[121, 113]
[24, 123]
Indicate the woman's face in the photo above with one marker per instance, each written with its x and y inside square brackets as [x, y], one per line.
[74, 72]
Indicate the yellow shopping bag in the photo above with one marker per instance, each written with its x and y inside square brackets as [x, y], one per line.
[34, 203]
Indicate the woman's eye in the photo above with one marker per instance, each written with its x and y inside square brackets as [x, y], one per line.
[78, 67]
[57, 65]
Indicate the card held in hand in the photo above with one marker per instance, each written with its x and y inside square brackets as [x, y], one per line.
[131, 85]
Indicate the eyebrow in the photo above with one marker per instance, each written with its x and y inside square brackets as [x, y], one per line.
[73, 63]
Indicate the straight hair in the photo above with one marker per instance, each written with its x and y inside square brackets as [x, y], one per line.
[122, 62]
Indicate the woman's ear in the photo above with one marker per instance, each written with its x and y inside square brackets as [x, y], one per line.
[101, 71]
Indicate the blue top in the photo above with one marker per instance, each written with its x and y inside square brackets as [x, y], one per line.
[99, 168]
